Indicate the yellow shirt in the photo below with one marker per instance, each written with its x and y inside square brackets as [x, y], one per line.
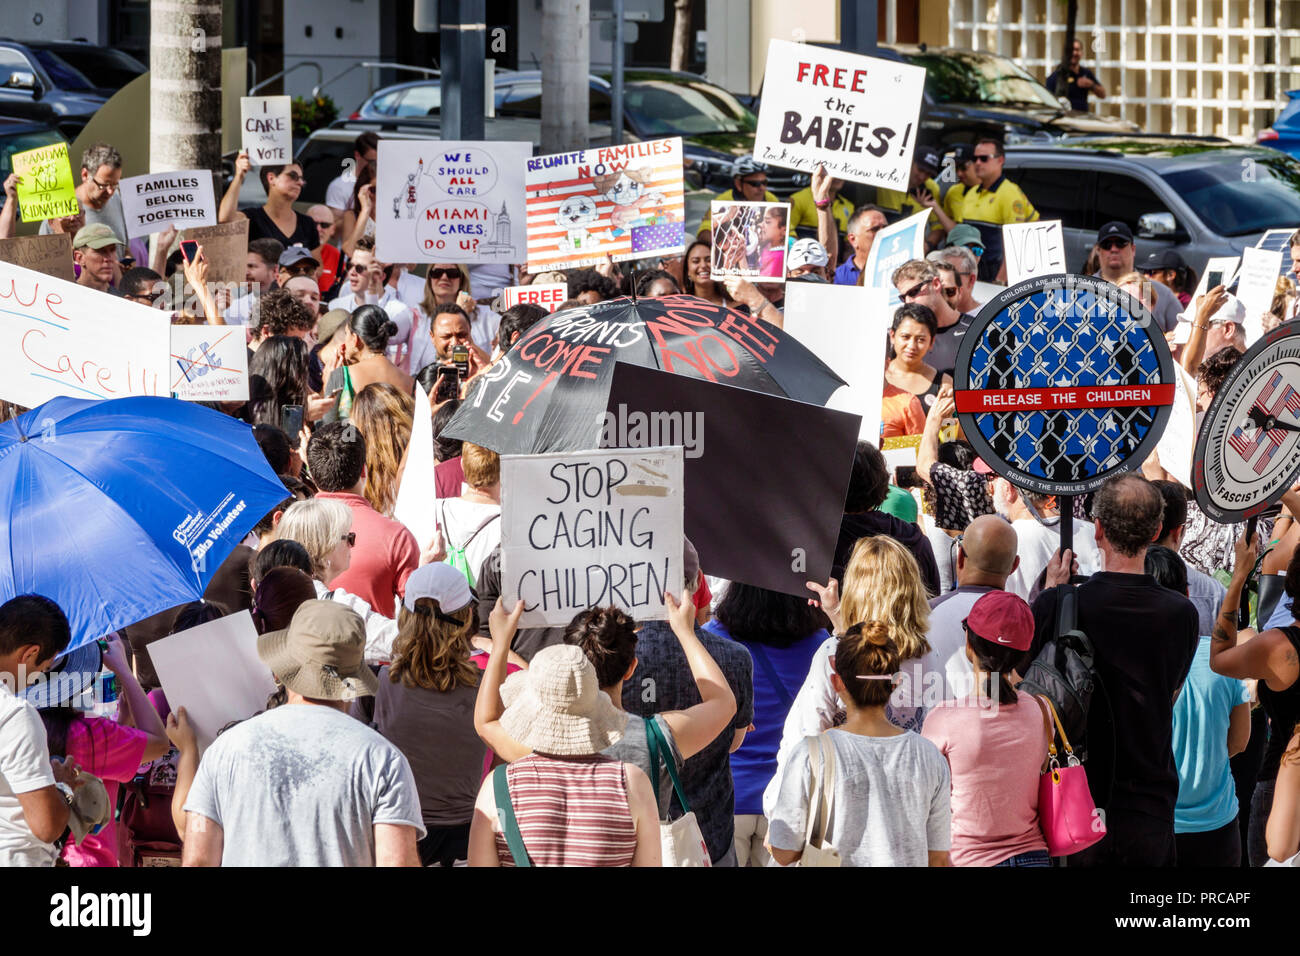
[906, 205]
[952, 201]
[729, 195]
[803, 211]
[989, 209]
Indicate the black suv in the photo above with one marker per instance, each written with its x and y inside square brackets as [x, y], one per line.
[39, 85]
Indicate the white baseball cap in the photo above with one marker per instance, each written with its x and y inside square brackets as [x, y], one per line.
[446, 585]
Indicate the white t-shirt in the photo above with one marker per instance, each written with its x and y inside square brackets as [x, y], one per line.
[24, 767]
[458, 519]
[303, 785]
[410, 290]
[1037, 544]
[338, 195]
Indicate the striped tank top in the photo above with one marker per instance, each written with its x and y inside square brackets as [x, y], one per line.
[570, 812]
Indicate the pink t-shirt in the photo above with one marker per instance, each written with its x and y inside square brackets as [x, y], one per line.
[113, 753]
[995, 757]
[384, 557]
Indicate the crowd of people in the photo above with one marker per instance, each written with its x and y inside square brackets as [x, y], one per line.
[882, 718]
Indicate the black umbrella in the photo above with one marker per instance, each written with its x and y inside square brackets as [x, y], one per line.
[549, 393]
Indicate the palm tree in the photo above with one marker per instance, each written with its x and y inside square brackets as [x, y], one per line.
[184, 86]
[681, 34]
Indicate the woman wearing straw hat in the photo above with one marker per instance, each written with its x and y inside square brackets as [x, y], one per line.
[531, 811]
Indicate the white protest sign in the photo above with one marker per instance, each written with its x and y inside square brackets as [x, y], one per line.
[1178, 443]
[549, 295]
[209, 363]
[415, 495]
[213, 671]
[591, 528]
[894, 245]
[267, 122]
[61, 338]
[856, 115]
[1256, 284]
[450, 201]
[1223, 268]
[844, 326]
[154, 202]
[1033, 249]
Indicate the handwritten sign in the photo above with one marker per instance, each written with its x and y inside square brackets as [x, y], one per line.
[61, 338]
[1255, 287]
[209, 363]
[50, 254]
[154, 202]
[47, 190]
[591, 528]
[267, 122]
[627, 202]
[225, 247]
[894, 245]
[1033, 249]
[450, 201]
[749, 240]
[857, 115]
[549, 295]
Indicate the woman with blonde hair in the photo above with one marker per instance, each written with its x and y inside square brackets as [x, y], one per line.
[383, 415]
[447, 283]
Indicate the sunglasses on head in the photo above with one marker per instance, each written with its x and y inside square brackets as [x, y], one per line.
[913, 292]
[444, 273]
[1111, 244]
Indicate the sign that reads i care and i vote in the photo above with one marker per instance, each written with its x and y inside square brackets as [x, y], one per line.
[590, 528]
[267, 124]
[152, 203]
[856, 115]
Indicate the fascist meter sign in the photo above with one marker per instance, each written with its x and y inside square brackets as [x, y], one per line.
[1062, 382]
[1248, 448]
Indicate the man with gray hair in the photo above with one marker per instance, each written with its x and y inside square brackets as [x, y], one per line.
[97, 195]
[966, 269]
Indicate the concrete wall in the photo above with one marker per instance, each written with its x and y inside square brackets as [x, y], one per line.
[359, 22]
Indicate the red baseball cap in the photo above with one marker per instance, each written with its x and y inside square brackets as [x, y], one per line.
[1001, 617]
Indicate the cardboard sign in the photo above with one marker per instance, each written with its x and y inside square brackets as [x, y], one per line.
[47, 190]
[415, 495]
[1256, 284]
[267, 124]
[894, 245]
[225, 247]
[50, 254]
[1033, 249]
[61, 338]
[549, 295]
[593, 528]
[844, 326]
[856, 115]
[627, 202]
[749, 240]
[213, 671]
[781, 531]
[450, 201]
[154, 202]
[209, 363]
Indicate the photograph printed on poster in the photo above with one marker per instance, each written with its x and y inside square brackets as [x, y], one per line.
[749, 240]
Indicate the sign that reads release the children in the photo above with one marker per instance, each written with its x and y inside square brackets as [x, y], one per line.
[267, 122]
[856, 115]
[152, 203]
[592, 528]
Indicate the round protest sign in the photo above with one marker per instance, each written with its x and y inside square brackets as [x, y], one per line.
[1063, 381]
[1248, 448]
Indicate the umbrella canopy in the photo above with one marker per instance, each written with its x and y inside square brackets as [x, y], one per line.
[549, 393]
[123, 508]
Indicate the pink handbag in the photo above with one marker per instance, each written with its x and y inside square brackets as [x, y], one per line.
[1067, 813]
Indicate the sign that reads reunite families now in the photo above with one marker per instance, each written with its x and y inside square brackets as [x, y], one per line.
[591, 528]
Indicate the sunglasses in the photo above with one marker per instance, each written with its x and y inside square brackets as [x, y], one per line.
[323, 225]
[913, 292]
[358, 268]
[351, 539]
[1111, 244]
[984, 159]
[296, 177]
[975, 251]
[444, 273]
[110, 187]
[754, 183]
[951, 291]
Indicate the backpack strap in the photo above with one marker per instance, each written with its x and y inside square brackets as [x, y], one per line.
[770, 672]
[506, 811]
[656, 741]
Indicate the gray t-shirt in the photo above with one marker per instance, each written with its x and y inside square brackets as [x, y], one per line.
[634, 748]
[112, 215]
[890, 803]
[303, 785]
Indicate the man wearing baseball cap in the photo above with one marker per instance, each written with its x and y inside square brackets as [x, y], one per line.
[748, 184]
[94, 250]
[922, 193]
[1116, 253]
[306, 784]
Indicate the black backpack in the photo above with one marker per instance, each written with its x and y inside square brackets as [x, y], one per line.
[1064, 672]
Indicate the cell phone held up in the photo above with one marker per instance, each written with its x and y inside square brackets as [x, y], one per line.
[291, 423]
[448, 384]
[189, 249]
[1214, 279]
[460, 359]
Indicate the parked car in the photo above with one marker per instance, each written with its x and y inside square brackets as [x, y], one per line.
[107, 69]
[18, 136]
[45, 88]
[1202, 196]
[1284, 134]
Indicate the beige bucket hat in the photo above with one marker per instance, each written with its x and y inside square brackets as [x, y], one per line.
[557, 706]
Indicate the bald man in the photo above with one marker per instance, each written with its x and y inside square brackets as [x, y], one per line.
[986, 556]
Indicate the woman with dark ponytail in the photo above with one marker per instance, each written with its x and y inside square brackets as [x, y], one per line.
[995, 741]
[362, 353]
[889, 788]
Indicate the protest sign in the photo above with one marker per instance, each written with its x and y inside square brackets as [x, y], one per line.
[1279, 240]
[267, 124]
[209, 363]
[549, 295]
[415, 495]
[591, 528]
[1033, 249]
[780, 532]
[61, 338]
[1256, 283]
[894, 245]
[626, 202]
[50, 254]
[749, 240]
[47, 190]
[856, 115]
[899, 452]
[214, 672]
[225, 247]
[1178, 443]
[843, 325]
[154, 202]
[450, 201]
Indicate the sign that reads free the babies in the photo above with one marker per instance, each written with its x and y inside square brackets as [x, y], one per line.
[183, 198]
[590, 528]
[267, 122]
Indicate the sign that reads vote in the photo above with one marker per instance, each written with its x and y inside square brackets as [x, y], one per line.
[152, 203]
[47, 190]
[856, 115]
[549, 295]
[210, 363]
[1033, 249]
[267, 124]
[591, 528]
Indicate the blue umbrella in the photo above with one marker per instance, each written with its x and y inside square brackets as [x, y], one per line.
[123, 508]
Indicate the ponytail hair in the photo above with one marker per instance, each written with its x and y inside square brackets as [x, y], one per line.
[373, 326]
[995, 662]
[867, 652]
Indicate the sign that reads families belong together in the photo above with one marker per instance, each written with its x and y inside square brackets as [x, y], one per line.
[152, 203]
